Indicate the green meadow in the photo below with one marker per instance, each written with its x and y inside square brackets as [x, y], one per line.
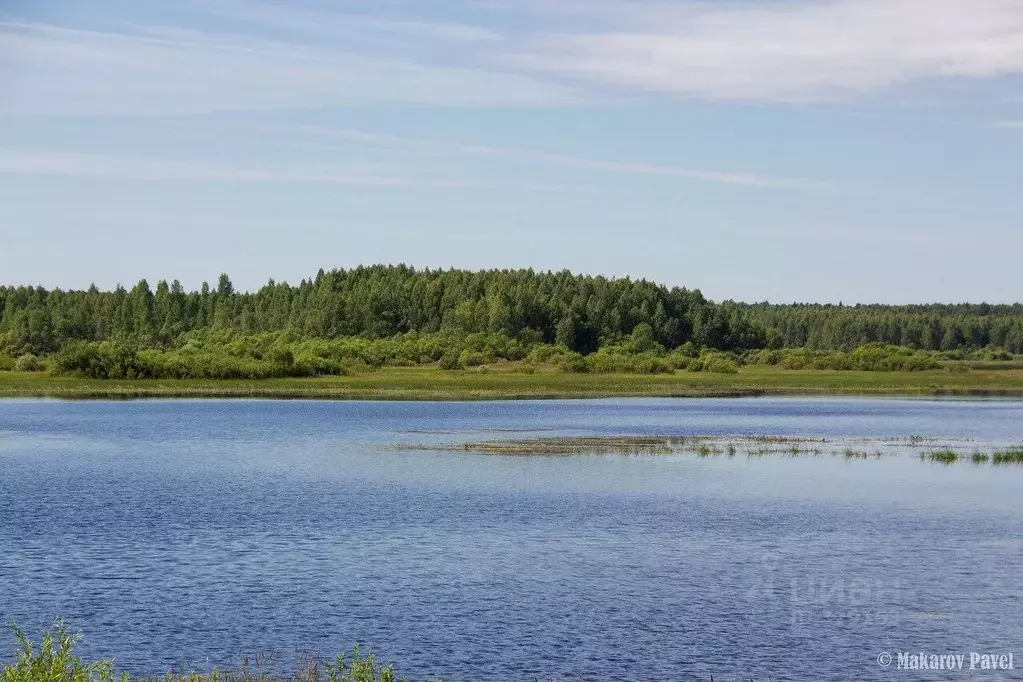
[520, 381]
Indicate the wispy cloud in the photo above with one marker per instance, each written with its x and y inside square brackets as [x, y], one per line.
[117, 167]
[173, 70]
[249, 55]
[567, 160]
[346, 24]
[1009, 124]
[775, 50]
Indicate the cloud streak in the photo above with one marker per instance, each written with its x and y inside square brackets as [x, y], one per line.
[790, 51]
[168, 70]
[567, 160]
[345, 25]
[114, 167]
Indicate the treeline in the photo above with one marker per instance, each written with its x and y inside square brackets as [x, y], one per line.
[929, 327]
[581, 314]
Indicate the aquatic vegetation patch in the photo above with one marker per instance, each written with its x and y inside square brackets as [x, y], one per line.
[702, 446]
[1008, 456]
[944, 456]
[942, 451]
[850, 453]
[584, 445]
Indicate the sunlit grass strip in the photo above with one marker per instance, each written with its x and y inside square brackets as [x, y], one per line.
[430, 383]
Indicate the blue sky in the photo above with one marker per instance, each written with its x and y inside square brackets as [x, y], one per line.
[850, 150]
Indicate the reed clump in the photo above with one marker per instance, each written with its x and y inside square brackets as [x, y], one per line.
[945, 456]
[1008, 456]
[850, 453]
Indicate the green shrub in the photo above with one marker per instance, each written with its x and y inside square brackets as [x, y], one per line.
[873, 357]
[676, 360]
[764, 357]
[54, 660]
[106, 360]
[572, 362]
[919, 362]
[545, 352]
[884, 358]
[649, 363]
[282, 356]
[719, 364]
[606, 361]
[620, 359]
[689, 350]
[221, 354]
[450, 361]
[28, 363]
[471, 359]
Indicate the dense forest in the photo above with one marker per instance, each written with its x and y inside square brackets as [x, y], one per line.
[517, 309]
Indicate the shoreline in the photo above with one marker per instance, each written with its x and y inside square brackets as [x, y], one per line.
[432, 384]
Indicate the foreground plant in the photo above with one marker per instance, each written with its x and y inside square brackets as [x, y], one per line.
[55, 661]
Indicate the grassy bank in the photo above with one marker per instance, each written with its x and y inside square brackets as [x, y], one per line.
[511, 381]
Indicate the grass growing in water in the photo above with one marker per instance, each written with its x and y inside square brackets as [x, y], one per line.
[1009, 456]
[947, 456]
[703, 446]
[861, 454]
[55, 661]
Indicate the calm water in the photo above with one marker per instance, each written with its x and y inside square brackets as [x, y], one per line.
[188, 533]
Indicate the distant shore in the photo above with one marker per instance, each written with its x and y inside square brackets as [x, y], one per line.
[509, 383]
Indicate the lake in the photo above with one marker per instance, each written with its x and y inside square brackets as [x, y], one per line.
[189, 533]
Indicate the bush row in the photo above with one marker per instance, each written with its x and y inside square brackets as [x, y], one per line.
[871, 358]
[220, 356]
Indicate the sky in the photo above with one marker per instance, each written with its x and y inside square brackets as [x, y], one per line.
[781, 150]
